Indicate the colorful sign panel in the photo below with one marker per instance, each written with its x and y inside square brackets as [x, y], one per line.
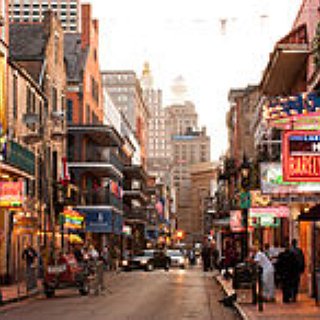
[271, 181]
[301, 156]
[274, 212]
[236, 223]
[11, 193]
[303, 110]
[264, 221]
[72, 219]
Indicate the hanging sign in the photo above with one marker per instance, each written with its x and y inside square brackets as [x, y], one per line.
[11, 193]
[301, 156]
[71, 219]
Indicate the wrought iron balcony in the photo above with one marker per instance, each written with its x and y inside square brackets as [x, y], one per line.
[98, 197]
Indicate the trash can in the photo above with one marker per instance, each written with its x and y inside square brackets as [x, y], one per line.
[245, 282]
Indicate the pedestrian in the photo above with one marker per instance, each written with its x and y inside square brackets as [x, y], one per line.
[93, 253]
[267, 273]
[287, 268]
[105, 254]
[214, 253]
[274, 252]
[230, 258]
[205, 255]
[77, 252]
[300, 262]
[29, 254]
[192, 257]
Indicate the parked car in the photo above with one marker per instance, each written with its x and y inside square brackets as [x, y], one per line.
[177, 258]
[147, 260]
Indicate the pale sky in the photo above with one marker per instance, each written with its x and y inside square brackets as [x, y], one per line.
[215, 45]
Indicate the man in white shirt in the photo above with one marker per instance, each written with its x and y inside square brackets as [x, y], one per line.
[267, 273]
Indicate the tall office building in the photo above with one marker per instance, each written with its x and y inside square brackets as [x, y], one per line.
[125, 91]
[159, 154]
[189, 146]
[68, 12]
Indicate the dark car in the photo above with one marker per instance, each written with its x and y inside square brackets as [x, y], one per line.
[147, 260]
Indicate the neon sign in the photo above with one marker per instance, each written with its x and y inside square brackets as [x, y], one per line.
[301, 156]
[11, 193]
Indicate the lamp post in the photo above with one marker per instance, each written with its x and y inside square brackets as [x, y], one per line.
[245, 199]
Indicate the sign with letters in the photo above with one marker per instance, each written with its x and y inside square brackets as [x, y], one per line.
[301, 156]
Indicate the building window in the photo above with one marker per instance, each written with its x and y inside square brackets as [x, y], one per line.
[56, 49]
[54, 99]
[15, 96]
[69, 110]
[87, 114]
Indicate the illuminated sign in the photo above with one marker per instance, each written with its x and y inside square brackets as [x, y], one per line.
[11, 193]
[301, 156]
[274, 212]
[303, 110]
[271, 181]
[264, 221]
[236, 224]
[71, 219]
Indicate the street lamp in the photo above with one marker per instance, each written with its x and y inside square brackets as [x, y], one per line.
[245, 198]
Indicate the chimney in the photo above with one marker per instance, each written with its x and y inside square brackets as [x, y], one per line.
[85, 25]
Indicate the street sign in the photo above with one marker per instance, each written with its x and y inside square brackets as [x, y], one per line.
[245, 200]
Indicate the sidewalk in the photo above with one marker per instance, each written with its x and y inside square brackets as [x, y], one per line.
[304, 308]
[14, 293]
[17, 292]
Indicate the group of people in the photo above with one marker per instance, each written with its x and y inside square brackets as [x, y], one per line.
[281, 266]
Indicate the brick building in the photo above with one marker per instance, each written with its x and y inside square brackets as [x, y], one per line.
[84, 91]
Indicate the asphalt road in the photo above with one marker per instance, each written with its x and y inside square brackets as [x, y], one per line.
[138, 295]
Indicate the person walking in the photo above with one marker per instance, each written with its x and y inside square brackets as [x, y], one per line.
[214, 255]
[300, 266]
[230, 258]
[287, 268]
[205, 255]
[29, 254]
[267, 273]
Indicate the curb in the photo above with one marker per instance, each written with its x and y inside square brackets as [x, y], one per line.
[237, 306]
[19, 299]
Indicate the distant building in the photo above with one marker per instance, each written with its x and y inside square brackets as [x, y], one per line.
[125, 90]
[32, 11]
[189, 146]
[159, 157]
[203, 177]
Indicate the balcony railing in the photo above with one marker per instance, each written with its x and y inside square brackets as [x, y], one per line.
[96, 154]
[98, 197]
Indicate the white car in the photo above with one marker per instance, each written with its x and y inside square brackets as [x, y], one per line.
[177, 258]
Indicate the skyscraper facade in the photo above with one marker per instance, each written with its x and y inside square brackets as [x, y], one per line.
[125, 91]
[189, 146]
[159, 157]
[68, 12]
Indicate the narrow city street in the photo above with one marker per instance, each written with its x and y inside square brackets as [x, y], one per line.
[138, 295]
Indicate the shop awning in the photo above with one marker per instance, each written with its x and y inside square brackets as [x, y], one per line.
[312, 215]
